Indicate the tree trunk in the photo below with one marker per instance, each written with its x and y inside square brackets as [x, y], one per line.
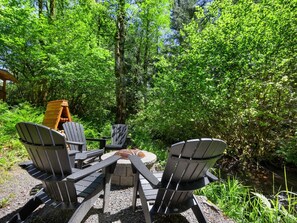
[146, 61]
[52, 8]
[40, 7]
[119, 64]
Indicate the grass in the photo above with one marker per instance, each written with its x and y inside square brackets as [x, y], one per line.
[5, 201]
[235, 200]
[243, 205]
[12, 153]
[11, 150]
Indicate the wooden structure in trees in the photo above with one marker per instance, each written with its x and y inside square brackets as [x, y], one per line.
[5, 76]
[57, 113]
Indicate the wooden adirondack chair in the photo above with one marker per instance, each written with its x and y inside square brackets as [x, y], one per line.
[78, 142]
[119, 139]
[63, 186]
[171, 191]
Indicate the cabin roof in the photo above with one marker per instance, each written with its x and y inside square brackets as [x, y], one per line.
[5, 75]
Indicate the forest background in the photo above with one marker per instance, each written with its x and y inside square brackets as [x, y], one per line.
[172, 70]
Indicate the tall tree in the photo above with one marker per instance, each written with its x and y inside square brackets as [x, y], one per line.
[182, 13]
[148, 25]
[120, 63]
[65, 57]
[234, 77]
[52, 8]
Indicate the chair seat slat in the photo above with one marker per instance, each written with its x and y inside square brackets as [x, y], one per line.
[185, 171]
[51, 164]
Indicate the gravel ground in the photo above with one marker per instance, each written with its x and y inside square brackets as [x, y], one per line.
[19, 185]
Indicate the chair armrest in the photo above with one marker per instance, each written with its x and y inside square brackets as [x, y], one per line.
[128, 140]
[102, 141]
[138, 166]
[75, 143]
[25, 164]
[113, 147]
[94, 153]
[81, 156]
[96, 140]
[87, 171]
[106, 137]
[72, 155]
[72, 152]
[79, 144]
[88, 154]
[211, 177]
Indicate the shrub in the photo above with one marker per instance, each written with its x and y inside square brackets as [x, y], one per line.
[11, 150]
[243, 205]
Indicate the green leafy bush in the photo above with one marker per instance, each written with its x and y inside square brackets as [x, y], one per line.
[234, 78]
[67, 57]
[11, 150]
[287, 149]
[243, 205]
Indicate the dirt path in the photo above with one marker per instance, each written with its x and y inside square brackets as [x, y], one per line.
[19, 185]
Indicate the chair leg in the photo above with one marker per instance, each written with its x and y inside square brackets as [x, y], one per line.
[85, 206]
[80, 164]
[135, 190]
[27, 209]
[197, 211]
[106, 198]
[145, 206]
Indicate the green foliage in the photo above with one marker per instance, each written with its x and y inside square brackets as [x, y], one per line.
[5, 200]
[287, 149]
[10, 116]
[182, 13]
[11, 150]
[233, 77]
[243, 205]
[147, 24]
[64, 57]
[141, 139]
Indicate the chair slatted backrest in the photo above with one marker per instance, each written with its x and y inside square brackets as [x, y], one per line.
[48, 152]
[119, 134]
[75, 132]
[187, 163]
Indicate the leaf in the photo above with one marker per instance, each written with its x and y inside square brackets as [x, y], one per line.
[264, 199]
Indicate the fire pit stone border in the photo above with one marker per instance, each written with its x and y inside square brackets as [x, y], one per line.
[123, 175]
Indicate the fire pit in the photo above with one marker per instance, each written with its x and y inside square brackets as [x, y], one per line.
[123, 175]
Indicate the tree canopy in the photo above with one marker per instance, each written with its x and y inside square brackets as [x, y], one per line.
[174, 69]
[232, 77]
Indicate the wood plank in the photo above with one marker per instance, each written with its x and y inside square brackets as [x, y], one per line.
[56, 113]
[50, 164]
[187, 162]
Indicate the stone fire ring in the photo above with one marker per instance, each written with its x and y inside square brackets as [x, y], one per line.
[123, 175]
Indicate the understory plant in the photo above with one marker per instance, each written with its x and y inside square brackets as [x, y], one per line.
[11, 150]
[243, 205]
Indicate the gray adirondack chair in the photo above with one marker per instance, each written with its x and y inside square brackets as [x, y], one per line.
[63, 186]
[78, 142]
[119, 139]
[171, 191]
